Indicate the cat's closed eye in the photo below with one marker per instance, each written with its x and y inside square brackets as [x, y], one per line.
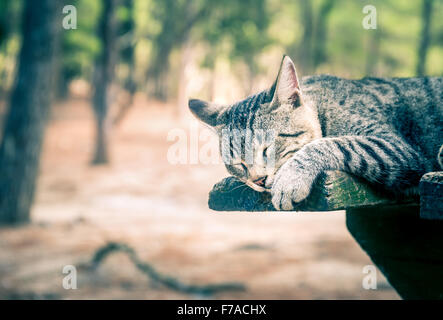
[291, 135]
[289, 152]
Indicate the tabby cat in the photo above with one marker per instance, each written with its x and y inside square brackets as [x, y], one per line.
[387, 131]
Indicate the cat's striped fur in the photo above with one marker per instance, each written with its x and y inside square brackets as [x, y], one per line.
[387, 131]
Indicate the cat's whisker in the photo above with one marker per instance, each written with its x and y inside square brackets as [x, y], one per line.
[239, 187]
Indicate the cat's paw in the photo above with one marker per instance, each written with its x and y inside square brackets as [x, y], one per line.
[291, 186]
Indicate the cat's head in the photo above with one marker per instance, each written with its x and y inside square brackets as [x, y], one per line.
[260, 133]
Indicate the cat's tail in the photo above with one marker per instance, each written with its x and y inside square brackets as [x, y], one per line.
[440, 157]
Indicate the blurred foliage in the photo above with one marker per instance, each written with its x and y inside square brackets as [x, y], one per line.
[241, 24]
[80, 48]
[322, 36]
[10, 11]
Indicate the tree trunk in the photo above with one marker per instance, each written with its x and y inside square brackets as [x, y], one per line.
[305, 49]
[4, 21]
[177, 21]
[159, 70]
[319, 55]
[28, 109]
[127, 54]
[104, 73]
[425, 37]
[182, 92]
[61, 81]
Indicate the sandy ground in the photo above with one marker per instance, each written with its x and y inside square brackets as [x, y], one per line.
[161, 211]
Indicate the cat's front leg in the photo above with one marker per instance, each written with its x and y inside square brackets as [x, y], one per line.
[388, 161]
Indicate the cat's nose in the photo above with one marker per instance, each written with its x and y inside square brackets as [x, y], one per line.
[261, 181]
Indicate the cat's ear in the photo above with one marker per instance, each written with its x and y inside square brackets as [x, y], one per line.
[209, 113]
[286, 87]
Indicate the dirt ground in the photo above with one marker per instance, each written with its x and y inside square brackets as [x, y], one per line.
[160, 210]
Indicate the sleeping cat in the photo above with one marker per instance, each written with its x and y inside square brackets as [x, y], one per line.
[387, 131]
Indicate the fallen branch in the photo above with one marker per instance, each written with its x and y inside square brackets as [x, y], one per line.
[170, 282]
